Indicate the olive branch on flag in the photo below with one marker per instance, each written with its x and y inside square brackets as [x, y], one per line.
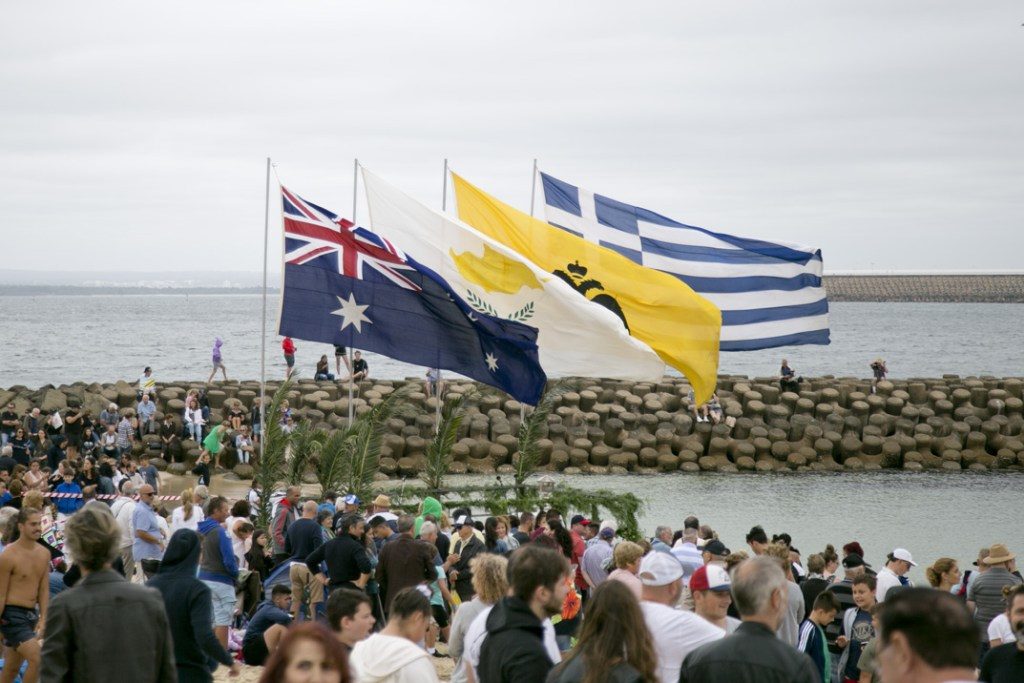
[481, 306]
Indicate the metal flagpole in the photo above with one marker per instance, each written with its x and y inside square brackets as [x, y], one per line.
[533, 198]
[533, 187]
[263, 335]
[351, 350]
[437, 384]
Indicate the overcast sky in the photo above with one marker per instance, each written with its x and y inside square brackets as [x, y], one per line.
[133, 135]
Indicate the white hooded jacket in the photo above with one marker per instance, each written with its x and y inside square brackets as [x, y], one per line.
[387, 659]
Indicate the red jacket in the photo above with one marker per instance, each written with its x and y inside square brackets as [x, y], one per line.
[288, 346]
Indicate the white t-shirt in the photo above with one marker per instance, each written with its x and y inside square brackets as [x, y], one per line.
[999, 628]
[886, 579]
[676, 634]
[124, 510]
[178, 520]
[239, 546]
[477, 633]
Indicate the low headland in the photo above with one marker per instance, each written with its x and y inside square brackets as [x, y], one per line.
[950, 424]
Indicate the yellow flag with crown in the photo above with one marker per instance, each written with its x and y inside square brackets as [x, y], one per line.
[656, 308]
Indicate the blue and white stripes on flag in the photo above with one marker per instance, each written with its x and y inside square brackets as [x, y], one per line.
[770, 294]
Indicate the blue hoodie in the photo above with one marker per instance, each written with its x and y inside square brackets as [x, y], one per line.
[218, 563]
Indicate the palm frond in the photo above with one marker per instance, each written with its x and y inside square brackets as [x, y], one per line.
[271, 467]
[330, 464]
[306, 444]
[362, 458]
[439, 451]
[531, 430]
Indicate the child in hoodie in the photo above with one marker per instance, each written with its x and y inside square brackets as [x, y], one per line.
[393, 655]
[218, 361]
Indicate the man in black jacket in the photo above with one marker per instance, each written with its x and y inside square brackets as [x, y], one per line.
[189, 610]
[348, 565]
[752, 654]
[464, 549]
[513, 651]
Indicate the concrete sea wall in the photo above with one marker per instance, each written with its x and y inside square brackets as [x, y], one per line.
[833, 424]
[1006, 288]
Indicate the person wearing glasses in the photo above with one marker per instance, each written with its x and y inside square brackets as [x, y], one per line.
[148, 543]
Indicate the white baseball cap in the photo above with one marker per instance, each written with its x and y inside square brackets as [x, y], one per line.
[904, 554]
[659, 569]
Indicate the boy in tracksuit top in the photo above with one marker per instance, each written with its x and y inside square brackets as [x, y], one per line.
[812, 633]
[858, 628]
[218, 568]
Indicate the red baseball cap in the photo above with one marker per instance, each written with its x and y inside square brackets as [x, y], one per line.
[710, 577]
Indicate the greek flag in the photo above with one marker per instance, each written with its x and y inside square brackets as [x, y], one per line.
[770, 294]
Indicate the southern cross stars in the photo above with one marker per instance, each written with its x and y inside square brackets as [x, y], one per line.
[492, 362]
[351, 313]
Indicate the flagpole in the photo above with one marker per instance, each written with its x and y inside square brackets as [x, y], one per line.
[533, 187]
[263, 335]
[533, 198]
[351, 350]
[437, 384]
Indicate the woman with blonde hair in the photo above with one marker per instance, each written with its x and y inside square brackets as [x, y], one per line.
[490, 583]
[188, 515]
[614, 643]
[627, 556]
[944, 574]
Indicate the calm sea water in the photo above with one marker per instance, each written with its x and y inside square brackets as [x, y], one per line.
[931, 514]
[51, 339]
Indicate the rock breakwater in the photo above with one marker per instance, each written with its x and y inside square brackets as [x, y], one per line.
[604, 426]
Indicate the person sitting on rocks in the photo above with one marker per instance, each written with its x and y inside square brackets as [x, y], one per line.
[699, 412]
[170, 442]
[360, 369]
[788, 379]
[714, 409]
[323, 370]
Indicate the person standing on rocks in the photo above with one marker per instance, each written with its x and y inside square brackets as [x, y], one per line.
[879, 372]
[340, 354]
[24, 585]
[214, 441]
[218, 361]
[288, 348]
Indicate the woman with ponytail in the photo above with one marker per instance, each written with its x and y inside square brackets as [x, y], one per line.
[188, 515]
[944, 574]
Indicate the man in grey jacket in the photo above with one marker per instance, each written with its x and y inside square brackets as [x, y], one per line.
[105, 628]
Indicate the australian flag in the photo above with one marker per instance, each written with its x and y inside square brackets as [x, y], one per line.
[347, 286]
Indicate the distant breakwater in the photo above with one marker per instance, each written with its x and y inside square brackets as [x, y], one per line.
[926, 288]
[937, 288]
[606, 426]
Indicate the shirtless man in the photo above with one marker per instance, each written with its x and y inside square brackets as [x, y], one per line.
[24, 583]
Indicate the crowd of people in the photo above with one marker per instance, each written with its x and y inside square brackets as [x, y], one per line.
[359, 592]
[99, 579]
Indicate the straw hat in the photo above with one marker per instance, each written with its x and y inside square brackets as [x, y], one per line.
[382, 501]
[998, 554]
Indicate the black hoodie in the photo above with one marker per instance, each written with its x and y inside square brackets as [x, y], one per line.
[513, 651]
[189, 609]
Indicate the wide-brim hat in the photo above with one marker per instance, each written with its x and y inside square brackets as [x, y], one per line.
[382, 501]
[998, 554]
